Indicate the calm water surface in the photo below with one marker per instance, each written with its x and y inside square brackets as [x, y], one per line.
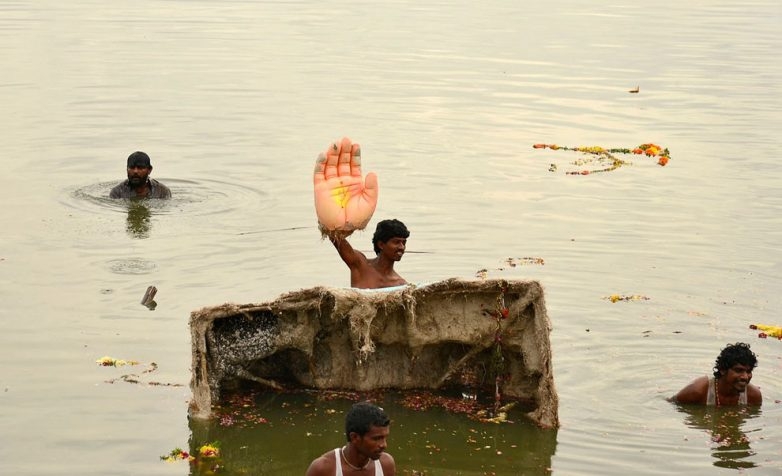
[234, 99]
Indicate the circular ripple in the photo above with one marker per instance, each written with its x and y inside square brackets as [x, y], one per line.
[196, 197]
[132, 266]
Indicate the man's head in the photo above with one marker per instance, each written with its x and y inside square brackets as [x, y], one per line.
[362, 416]
[388, 229]
[366, 429]
[139, 159]
[738, 353]
[139, 168]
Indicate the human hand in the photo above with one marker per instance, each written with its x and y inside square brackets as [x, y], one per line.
[344, 200]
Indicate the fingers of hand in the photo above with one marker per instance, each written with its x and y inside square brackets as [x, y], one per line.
[371, 187]
[320, 166]
[332, 160]
[345, 157]
[341, 159]
[355, 163]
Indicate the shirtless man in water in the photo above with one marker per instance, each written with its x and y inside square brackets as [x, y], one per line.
[729, 385]
[344, 203]
[366, 429]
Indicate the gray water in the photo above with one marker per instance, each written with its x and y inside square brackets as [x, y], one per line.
[234, 99]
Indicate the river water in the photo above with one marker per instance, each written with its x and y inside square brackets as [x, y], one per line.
[234, 99]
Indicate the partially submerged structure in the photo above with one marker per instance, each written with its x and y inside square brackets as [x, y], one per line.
[474, 335]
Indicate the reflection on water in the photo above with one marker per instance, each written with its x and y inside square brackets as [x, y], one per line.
[257, 435]
[138, 219]
[726, 428]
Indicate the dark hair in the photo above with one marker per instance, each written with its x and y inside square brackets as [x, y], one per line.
[362, 416]
[388, 229]
[139, 159]
[733, 354]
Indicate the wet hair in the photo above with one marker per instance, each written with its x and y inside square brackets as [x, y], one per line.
[388, 229]
[733, 354]
[139, 159]
[362, 416]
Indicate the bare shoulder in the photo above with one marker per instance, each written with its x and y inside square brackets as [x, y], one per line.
[754, 397]
[694, 392]
[325, 465]
[388, 464]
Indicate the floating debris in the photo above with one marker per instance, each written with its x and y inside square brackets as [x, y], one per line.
[133, 378]
[513, 262]
[177, 454]
[633, 297]
[604, 159]
[635, 90]
[149, 298]
[767, 331]
[107, 361]
[208, 451]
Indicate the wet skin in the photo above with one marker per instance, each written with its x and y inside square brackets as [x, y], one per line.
[137, 176]
[733, 381]
[371, 445]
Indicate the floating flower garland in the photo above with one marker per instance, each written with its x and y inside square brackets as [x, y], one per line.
[208, 451]
[177, 454]
[767, 331]
[603, 155]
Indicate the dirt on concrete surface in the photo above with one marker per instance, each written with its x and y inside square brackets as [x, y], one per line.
[484, 334]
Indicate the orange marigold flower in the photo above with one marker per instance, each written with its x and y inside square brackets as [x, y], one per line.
[663, 160]
[553, 147]
[638, 150]
[539, 146]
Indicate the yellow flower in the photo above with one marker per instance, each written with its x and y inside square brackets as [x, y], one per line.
[105, 361]
[209, 451]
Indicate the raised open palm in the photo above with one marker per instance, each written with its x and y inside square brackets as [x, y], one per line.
[344, 200]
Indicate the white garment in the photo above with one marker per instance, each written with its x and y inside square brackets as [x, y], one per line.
[337, 457]
[711, 395]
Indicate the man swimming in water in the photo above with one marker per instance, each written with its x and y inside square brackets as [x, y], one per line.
[138, 184]
[730, 383]
[345, 202]
[366, 429]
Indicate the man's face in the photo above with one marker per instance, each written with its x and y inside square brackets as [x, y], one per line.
[138, 175]
[373, 443]
[393, 248]
[738, 376]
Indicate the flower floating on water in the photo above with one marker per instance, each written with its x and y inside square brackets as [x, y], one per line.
[177, 454]
[210, 450]
[606, 158]
[107, 361]
[767, 331]
[634, 297]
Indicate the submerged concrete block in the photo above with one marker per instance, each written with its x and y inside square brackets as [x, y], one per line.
[454, 334]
